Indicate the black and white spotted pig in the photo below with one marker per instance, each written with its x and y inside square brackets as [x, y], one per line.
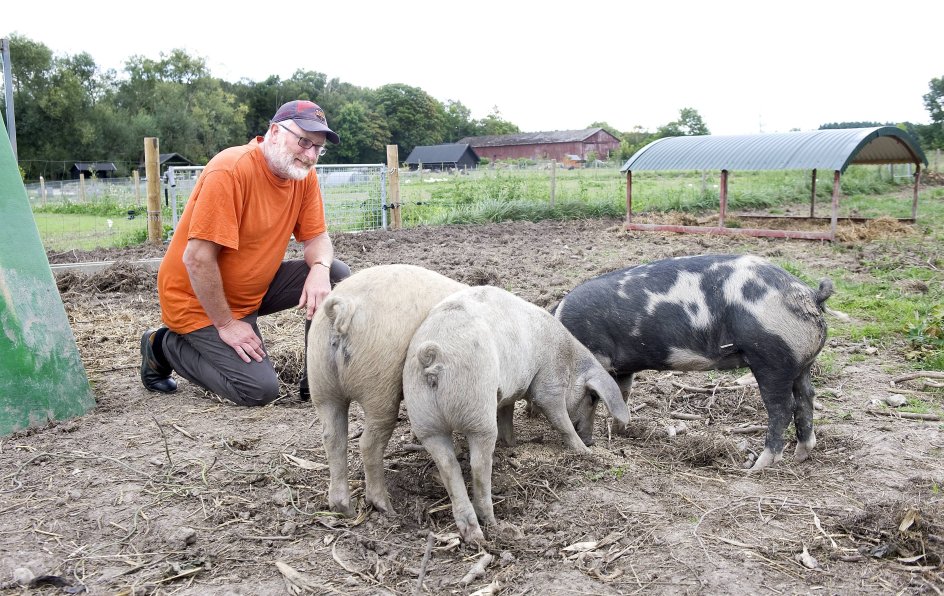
[710, 312]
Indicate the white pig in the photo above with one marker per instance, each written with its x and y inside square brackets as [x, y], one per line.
[356, 347]
[479, 351]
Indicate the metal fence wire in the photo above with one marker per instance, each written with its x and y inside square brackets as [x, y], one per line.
[354, 195]
[66, 211]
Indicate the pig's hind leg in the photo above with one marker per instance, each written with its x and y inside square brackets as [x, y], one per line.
[803, 415]
[441, 449]
[481, 449]
[333, 414]
[380, 417]
[776, 389]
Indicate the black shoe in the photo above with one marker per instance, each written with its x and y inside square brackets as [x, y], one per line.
[154, 376]
[304, 392]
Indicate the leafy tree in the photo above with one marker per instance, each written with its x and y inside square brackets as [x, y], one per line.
[54, 99]
[933, 134]
[634, 140]
[610, 129]
[30, 64]
[413, 116]
[458, 122]
[689, 123]
[363, 135]
[494, 124]
[835, 125]
[69, 110]
[189, 111]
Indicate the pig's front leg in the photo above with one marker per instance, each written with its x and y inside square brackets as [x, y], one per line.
[556, 413]
[505, 420]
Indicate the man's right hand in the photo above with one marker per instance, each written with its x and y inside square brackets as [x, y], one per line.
[240, 336]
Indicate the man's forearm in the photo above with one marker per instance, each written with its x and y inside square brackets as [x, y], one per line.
[208, 286]
[319, 250]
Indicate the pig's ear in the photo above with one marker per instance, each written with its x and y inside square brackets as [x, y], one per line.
[606, 388]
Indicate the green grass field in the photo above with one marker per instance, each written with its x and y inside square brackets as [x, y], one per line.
[75, 231]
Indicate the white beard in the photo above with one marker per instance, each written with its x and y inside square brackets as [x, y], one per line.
[283, 164]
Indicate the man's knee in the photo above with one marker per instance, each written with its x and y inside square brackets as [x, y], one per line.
[259, 392]
[339, 271]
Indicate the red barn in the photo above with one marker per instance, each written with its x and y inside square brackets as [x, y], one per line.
[556, 145]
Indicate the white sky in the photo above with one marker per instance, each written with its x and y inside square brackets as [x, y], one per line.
[746, 66]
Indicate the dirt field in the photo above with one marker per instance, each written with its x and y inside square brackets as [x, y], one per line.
[182, 494]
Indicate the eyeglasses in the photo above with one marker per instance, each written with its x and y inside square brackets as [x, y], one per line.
[306, 143]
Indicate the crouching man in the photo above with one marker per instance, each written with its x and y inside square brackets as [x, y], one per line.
[224, 266]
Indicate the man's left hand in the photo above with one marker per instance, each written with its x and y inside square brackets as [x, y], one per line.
[317, 287]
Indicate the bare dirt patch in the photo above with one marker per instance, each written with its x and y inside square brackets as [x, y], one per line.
[182, 494]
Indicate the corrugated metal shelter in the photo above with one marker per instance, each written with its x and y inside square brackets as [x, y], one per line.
[440, 157]
[832, 149]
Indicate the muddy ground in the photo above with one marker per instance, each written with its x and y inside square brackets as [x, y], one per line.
[183, 494]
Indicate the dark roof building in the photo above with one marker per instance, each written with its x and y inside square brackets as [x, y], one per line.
[99, 169]
[555, 145]
[441, 157]
[165, 160]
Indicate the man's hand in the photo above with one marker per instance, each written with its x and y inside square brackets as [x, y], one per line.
[317, 287]
[240, 336]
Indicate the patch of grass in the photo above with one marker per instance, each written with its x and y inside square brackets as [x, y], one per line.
[826, 363]
[615, 472]
[881, 310]
[917, 406]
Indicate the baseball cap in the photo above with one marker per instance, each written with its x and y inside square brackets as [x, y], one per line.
[308, 116]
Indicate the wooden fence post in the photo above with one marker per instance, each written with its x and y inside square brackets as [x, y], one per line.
[136, 178]
[42, 189]
[81, 187]
[553, 181]
[393, 183]
[152, 172]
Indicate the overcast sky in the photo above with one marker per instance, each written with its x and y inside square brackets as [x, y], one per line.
[747, 67]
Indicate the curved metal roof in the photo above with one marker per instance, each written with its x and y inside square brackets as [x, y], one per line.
[832, 149]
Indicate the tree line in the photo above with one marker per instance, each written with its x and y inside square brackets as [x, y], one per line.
[68, 110]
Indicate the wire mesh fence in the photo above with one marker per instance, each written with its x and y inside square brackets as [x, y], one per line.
[105, 212]
[112, 212]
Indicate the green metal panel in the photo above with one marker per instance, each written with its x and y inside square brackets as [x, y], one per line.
[41, 374]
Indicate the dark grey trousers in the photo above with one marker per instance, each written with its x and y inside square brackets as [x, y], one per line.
[203, 358]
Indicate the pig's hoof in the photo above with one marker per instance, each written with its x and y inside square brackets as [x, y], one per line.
[382, 505]
[469, 529]
[472, 534]
[579, 447]
[766, 458]
[803, 450]
[342, 507]
[507, 442]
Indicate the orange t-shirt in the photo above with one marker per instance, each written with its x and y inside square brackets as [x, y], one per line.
[241, 205]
